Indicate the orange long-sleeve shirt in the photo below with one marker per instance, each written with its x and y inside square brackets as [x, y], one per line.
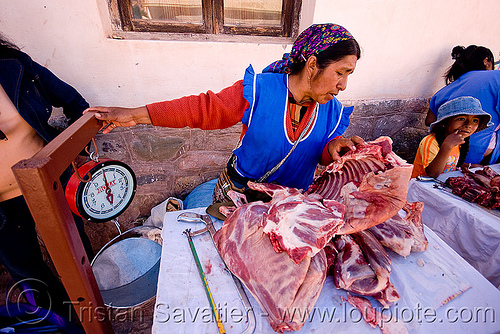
[208, 111]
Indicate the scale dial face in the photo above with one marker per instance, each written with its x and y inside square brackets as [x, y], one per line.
[109, 192]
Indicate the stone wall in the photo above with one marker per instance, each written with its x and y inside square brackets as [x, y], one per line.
[172, 162]
[402, 120]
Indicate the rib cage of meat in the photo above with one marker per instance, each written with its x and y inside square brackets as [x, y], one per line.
[330, 184]
[371, 182]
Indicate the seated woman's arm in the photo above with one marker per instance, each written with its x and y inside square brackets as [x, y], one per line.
[430, 118]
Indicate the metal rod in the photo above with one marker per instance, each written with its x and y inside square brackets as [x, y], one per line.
[191, 217]
[204, 281]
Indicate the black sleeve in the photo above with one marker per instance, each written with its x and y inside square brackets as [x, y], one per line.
[60, 94]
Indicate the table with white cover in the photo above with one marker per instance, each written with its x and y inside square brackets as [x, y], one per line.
[440, 292]
[472, 231]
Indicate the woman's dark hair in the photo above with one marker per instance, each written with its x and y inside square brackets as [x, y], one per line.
[467, 59]
[332, 54]
[7, 48]
[440, 133]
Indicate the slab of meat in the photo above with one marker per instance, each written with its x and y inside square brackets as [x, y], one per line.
[371, 182]
[492, 175]
[299, 224]
[363, 266]
[278, 249]
[481, 187]
[403, 235]
[485, 177]
[278, 284]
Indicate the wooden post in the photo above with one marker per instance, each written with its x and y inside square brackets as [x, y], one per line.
[38, 178]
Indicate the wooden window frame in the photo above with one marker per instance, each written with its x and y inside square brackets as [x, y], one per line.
[212, 11]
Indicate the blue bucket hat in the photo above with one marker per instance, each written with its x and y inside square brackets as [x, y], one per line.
[463, 105]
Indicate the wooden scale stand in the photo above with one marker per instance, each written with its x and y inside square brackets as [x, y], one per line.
[38, 178]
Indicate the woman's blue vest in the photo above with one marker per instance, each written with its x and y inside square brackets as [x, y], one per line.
[266, 142]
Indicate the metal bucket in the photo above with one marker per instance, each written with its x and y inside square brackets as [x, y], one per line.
[126, 268]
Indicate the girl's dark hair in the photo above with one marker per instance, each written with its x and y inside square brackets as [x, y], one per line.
[467, 59]
[439, 132]
[332, 54]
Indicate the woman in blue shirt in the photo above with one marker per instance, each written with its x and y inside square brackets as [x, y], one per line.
[471, 75]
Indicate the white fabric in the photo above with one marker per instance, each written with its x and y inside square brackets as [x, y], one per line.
[158, 212]
[182, 306]
[472, 231]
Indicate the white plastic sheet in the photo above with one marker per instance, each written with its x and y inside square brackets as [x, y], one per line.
[182, 306]
[473, 232]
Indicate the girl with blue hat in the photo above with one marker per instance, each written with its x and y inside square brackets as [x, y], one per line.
[446, 147]
[471, 75]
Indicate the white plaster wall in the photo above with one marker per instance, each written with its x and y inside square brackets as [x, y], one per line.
[407, 43]
[406, 47]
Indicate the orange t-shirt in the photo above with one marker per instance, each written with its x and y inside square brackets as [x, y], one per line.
[427, 151]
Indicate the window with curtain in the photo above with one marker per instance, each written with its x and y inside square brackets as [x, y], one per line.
[237, 17]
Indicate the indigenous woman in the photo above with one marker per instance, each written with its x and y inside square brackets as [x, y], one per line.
[291, 117]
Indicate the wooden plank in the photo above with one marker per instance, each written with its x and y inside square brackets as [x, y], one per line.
[38, 178]
[65, 147]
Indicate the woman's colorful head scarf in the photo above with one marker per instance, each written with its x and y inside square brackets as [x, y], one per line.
[310, 42]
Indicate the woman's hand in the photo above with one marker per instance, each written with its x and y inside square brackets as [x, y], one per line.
[341, 146]
[116, 116]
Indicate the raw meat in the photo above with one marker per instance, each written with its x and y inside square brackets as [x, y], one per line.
[403, 235]
[386, 323]
[299, 224]
[363, 266]
[282, 288]
[481, 187]
[486, 177]
[372, 183]
[282, 250]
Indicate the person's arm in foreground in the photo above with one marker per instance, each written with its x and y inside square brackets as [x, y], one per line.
[118, 116]
[60, 94]
[205, 111]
